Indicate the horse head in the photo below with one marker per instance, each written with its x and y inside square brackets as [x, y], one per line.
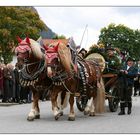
[58, 55]
[28, 50]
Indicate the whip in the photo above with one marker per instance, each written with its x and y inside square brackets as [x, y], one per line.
[83, 35]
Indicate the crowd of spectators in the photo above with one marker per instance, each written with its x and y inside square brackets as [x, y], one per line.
[10, 89]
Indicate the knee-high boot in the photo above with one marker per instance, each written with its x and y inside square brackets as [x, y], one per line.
[129, 107]
[122, 107]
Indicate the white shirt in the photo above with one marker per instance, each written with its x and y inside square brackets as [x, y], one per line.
[128, 67]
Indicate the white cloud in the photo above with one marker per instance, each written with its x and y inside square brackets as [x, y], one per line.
[71, 21]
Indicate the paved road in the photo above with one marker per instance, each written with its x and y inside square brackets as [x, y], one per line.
[13, 120]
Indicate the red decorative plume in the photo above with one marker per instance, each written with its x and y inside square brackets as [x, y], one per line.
[28, 40]
[19, 39]
[56, 47]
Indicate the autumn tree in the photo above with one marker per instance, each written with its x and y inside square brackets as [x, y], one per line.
[121, 37]
[17, 21]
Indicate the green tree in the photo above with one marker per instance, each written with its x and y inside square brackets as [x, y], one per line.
[59, 37]
[17, 21]
[136, 47]
[121, 37]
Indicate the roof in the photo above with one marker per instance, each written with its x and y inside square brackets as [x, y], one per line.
[46, 42]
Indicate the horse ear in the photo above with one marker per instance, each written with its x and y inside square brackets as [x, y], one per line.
[56, 47]
[19, 39]
[28, 40]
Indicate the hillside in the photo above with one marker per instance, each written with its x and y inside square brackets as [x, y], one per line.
[49, 34]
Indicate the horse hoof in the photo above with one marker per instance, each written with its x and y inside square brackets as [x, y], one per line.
[30, 118]
[61, 113]
[71, 118]
[37, 117]
[86, 112]
[92, 114]
[57, 116]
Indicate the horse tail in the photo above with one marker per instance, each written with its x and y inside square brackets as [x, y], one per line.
[62, 100]
[100, 98]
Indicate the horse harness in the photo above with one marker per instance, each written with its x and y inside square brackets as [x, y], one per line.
[84, 74]
[61, 76]
[27, 78]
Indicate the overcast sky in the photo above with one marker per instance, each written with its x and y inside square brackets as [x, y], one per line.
[71, 21]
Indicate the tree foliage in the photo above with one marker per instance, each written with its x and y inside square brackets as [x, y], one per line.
[121, 37]
[17, 21]
[59, 37]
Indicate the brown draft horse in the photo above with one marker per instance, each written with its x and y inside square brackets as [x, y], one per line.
[65, 76]
[32, 63]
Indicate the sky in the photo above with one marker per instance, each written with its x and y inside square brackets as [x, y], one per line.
[72, 21]
[70, 17]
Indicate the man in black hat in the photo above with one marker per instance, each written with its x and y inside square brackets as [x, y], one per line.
[127, 77]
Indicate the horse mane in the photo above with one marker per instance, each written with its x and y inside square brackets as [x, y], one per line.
[36, 49]
[65, 57]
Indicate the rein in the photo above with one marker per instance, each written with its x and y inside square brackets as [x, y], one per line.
[60, 78]
[63, 76]
[63, 82]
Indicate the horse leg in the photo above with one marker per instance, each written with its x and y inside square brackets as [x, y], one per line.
[37, 110]
[71, 114]
[34, 112]
[92, 109]
[88, 106]
[60, 101]
[55, 109]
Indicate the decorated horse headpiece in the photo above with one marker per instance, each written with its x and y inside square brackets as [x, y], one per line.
[24, 45]
[51, 52]
[61, 51]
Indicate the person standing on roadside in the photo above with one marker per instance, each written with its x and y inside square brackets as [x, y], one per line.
[128, 73]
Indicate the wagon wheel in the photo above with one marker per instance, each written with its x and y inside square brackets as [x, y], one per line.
[114, 100]
[80, 102]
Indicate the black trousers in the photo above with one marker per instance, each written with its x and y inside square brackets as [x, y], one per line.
[8, 89]
[127, 94]
[24, 91]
